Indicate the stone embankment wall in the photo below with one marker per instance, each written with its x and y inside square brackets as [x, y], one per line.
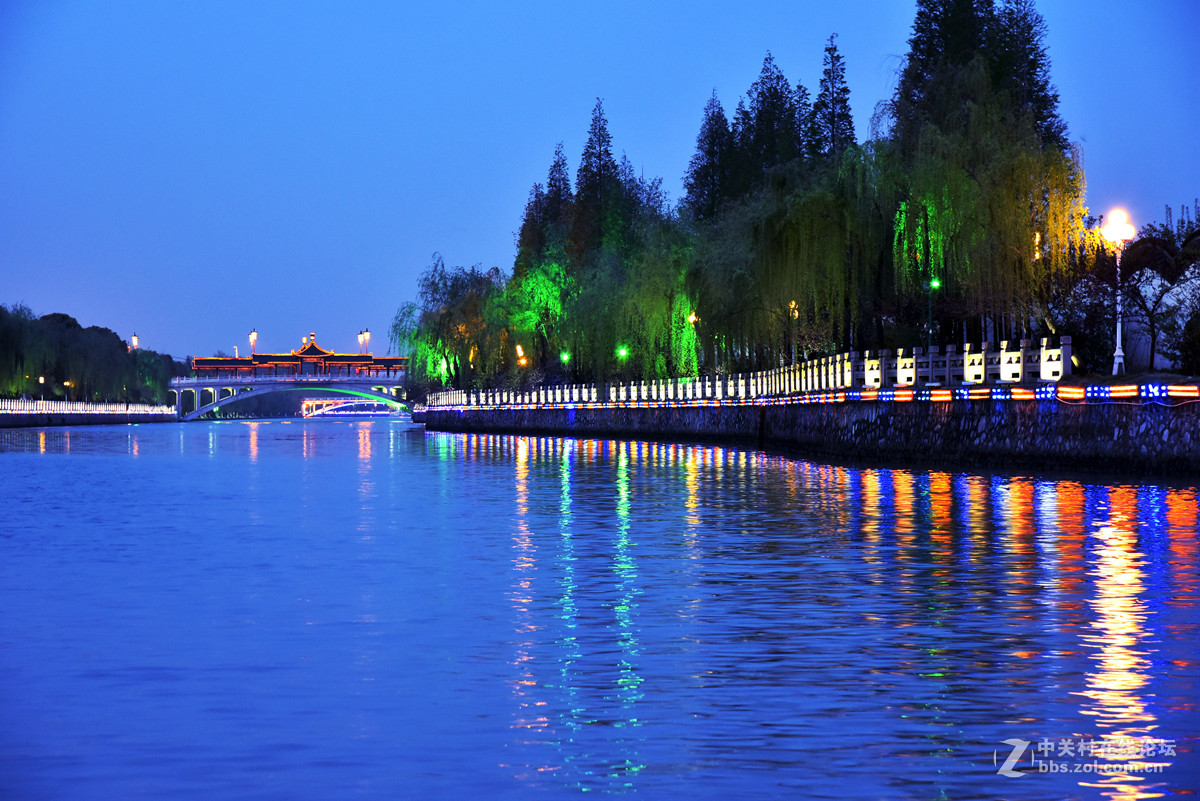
[1045, 434]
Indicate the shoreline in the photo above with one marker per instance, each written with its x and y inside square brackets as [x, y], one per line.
[1044, 435]
[55, 420]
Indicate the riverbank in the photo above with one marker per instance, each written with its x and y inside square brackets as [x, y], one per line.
[1144, 436]
[30, 413]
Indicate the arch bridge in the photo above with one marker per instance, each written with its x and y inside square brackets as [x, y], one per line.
[195, 397]
[219, 381]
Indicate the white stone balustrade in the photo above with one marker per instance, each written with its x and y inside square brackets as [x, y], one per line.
[22, 406]
[1014, 363]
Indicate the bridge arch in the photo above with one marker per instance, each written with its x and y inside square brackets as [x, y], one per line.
[256, 391]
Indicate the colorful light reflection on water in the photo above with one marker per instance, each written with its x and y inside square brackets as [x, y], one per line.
[369, 606]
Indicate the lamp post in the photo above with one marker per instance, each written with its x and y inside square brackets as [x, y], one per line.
[133, 340]
[253, 339]
[1118, 231]
[934, 283]
[360, 342]
[366, 340]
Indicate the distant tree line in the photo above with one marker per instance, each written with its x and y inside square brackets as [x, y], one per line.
[55, 358]
[961, 218]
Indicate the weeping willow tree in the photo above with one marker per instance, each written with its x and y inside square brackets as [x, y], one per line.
[533, 307]
[814, 250]
[994, 231]
[992, 207]
[991, 214]
[785, 274]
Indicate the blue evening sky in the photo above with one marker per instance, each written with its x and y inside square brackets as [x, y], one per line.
[190, 170]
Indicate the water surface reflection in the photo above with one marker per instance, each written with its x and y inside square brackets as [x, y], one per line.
[869, 616]
[290, 609]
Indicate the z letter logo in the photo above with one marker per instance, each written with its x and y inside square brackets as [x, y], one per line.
[1018, 750]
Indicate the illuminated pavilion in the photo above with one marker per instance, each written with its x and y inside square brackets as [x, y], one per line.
[310, 360]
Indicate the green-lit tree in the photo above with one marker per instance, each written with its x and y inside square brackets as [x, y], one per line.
[457, 341]
[991, 202]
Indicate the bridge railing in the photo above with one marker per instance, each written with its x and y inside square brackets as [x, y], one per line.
[1015, 362]
[20, 406]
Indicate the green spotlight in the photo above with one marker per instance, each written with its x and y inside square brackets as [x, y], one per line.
[565, 357]
[935, 283]
[622, 352]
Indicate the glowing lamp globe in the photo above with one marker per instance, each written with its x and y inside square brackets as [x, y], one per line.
[1118, 228]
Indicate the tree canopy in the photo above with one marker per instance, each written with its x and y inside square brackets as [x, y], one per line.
[793, 239]
[54, 357]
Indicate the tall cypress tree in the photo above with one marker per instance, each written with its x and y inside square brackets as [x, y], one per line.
[531, 238]
[805, 123]
[1021, 68]
[559, 201]
[947, 36]
[832, 122]
[707, 181]
[594, 184]
[773, 137]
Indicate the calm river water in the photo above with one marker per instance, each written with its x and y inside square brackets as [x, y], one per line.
[361, 609]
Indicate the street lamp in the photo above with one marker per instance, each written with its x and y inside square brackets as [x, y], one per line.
[367, 340]
[253, 339]
[41, 387]
[1118, 231]
[934, 283]
[134, 341]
